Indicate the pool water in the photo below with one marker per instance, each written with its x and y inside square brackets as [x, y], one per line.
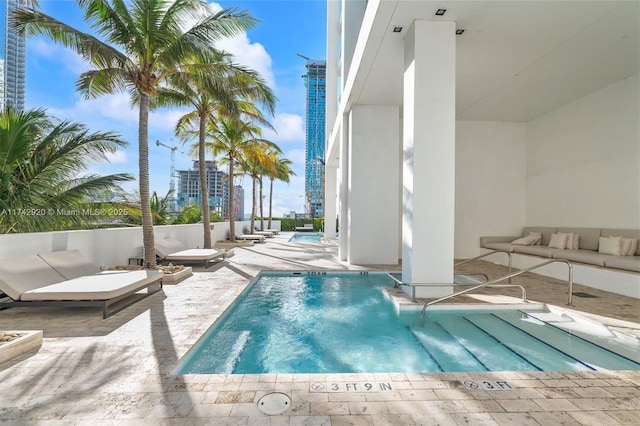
[306, 237]
[316, 322]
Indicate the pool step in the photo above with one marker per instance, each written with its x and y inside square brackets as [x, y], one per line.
[445, 351]
[594, 332]
[544, 357]
[571, 345]
[478, 342]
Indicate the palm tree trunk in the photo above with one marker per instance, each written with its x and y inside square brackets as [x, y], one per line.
[253, 203]
[261, 209]
[270, 202]
[232, 190]
[204, 187]
[143, 164]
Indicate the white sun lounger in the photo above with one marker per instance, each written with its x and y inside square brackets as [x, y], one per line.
[250, 237]
[266, 233]
[172, 250]
[69, 279]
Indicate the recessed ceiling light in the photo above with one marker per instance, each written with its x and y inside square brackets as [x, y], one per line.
[397, 29]
[458, 32]
[440, 12]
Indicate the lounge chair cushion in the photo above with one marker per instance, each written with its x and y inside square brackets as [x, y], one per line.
[195, 255]
[249, 237]
[70, 263]
[166, 246]
[102, 286]
[26, 273]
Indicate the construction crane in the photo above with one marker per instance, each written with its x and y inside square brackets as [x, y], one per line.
[172, 174]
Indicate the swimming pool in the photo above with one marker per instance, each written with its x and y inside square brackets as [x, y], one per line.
[306, 237]
[317, 322]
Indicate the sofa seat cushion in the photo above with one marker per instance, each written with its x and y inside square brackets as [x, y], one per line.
[583, 256]
[629, 263]
[542, 251]
[499, 246]
[103, 286]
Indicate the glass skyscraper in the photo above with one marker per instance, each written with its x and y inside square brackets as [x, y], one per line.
[12, 59]
[315, 80]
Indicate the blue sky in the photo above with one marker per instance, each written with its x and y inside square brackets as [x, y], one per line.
[286, 27]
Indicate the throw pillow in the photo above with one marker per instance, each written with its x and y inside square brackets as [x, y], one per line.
[529, 240]
[569, 243]
[611, 245]
[629, 246]
[576, 242]
[538, 236]
[558, 241]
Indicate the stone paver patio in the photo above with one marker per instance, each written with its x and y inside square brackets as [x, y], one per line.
[117, 371]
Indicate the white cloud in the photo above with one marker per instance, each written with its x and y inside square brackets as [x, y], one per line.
[118, 157]
[297, 156]
[251, 55]
[289, 129]
[69, 59]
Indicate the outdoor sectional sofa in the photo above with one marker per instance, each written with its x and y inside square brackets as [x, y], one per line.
[67, 278]
[589, 251]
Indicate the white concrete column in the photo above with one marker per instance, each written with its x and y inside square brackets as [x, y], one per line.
[330, 201]
[351, 19]
[429, 156]
[343, 207]
[374, 174]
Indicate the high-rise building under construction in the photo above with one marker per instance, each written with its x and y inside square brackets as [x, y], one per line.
[12, 59]
[315, 117]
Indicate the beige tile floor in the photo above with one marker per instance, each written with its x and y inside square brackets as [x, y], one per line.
[91, 371]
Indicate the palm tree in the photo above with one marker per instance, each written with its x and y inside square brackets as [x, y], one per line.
[256, 163]
[40, 163]
[208, 93]
[234, 139]
[281, 171]
[145, 46]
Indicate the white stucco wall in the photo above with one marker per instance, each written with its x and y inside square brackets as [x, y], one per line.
[490, 182]
[108, 247]
[583, 161]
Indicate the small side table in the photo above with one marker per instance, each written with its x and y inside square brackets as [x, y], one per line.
[138, 260]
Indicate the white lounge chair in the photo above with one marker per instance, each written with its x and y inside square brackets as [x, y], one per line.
[266, 233]
[250, 237]
[172, 250]
[67, 278]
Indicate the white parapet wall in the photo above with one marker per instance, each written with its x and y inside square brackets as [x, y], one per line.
[607, 279]
[112, 246]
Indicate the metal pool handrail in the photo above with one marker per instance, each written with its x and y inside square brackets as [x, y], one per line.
[515, 274]
[485, 255]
